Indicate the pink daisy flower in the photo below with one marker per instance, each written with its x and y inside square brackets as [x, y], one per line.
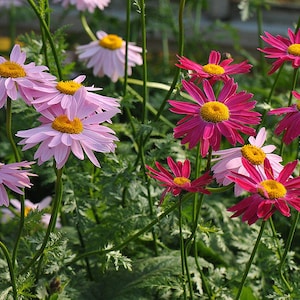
[15, 178]
[210, 118]
[20, 80]
[268, 192]
[76, 130]
[82, 5]
[282, 49]
[178, 180]
[29, 206]
[215, 69]
[107, 56]
[290, 124]
[62, 93]
[230, 160]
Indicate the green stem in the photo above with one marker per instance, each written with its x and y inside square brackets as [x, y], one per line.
[250, 260]
[145, 71]
[134, 236]
[259, 21]
[52, 223]
[287, 249]
[294, 84]
[11, 270]
[49, 36]
[180, 53]
[128, 13]
[182, 252]
[86, 27]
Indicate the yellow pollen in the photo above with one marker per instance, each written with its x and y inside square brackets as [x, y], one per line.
[27, 210]
[181, 180]
[273, 188]
[213, 69]
[253, 154]
[294, 49]
[214, 112]
[63, 124]
[111, 41]
[68, 87]
[298, 104]
[11, 69]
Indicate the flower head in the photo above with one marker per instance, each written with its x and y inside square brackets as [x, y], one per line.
[82, 5]
[215, 69]
[230, 160]
[290, 124]
[268, 192]
[15, 178]
[210, 118]
[62, 93]
[107, 56]
[178, 179]
[29, 206]
[20, 80]
[282, 49]
[76, 130]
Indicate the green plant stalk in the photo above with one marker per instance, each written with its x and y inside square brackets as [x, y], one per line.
[128, 13]
[180, 53]
[185, 276]
[287, 249]
[145, 66]
[51, 226]
[259, 21]
[49, 36]
[262, 227]
[134, 236]
[294, 84]
[11, 270]
[86, 27]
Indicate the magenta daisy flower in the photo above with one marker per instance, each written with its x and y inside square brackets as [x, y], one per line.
[82, 5]
[107, 56]
[62, 93]
[15, 178]
[20, 80]
[210, 118]
[282, 49]
[290, 124]
[178, 180]
[29, 206]
[230, 160]
[77, 130]
[268, 192]
[215, 69]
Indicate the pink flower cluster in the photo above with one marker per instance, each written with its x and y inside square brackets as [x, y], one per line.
[218, 110]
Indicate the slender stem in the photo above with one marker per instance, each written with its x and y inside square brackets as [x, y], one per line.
[182, 251]
[11, 270]
[287, 248]
[134, 236]
[86, 27]
[294, 84]
[128, 13]
[51, 226]
[180, 53]
[49, 36]
[144, 51]
[250, 260]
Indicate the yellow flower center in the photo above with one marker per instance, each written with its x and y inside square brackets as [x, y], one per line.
[181, 180]
[11, 69]
[273, 188]
[298, 104]
[111, 41]
[63, 124]
[253, 154]
[68, 87]
[214, 112]
[27, 210]
[213, 69]
[294, 49]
